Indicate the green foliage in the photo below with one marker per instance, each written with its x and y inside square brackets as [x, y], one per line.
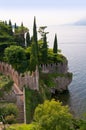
[32, 126]
[8, 113]
[33, 57]
[5, 84]
[81, 125]
[6, 33]
[53, 116]
[10, 28]
[4, 45]
[19, 35]
[6, 37]
[16, 56]
[34, 49]
[42, 31]
[44, 90]
[44, 50]
[8, 86]
[35, 41]
[11, 109]
[55, 58]
[55, 47]
[20, 29]
[35, 35]
[33, 98]
[28, 42]
[10, 119]
[47, 79]
[4, 29]
[15, 26]
[20, 40]
[28, 51]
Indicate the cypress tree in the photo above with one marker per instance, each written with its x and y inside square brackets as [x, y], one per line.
[10, 24]
[10, 28]
[55, 47]
[28, 42]
[33, 59]
[22, 28]
[44, 50]
[35, 35]
[34, 49]
[5, 22]
[22, 39]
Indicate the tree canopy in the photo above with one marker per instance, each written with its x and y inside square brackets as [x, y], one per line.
[16, 56]
[53, 116]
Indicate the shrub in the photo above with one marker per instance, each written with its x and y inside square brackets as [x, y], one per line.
[10, 119]
[9, 113]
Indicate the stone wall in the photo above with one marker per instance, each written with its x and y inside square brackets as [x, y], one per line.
[21, 79]
[62, 81]
[55, 68]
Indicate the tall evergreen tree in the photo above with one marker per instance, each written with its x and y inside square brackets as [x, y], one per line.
[22, 28]
[22, 35]
[10, 28]
[35, 35]
[33, 58]
[34, 49]
[5, 22]
[55, 47]
[28, 42]
[44, 50]
[10, 24]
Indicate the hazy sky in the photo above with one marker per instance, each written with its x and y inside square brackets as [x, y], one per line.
[47, 12]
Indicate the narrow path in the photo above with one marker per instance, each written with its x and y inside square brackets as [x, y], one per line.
[20, 103]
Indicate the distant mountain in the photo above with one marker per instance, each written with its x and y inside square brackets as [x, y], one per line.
[81, 22]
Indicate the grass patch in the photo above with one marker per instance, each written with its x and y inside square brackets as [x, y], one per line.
[32, 126]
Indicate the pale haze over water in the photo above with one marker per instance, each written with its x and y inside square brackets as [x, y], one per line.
[72, 42]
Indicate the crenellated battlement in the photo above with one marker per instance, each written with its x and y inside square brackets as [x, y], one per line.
[32, 80]
[60, 68]
[20, 79]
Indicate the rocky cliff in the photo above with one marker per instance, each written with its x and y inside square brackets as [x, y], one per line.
[62, 82]
[63, 78]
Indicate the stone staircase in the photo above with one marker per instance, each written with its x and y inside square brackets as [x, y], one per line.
[20, 117]
[20, 103]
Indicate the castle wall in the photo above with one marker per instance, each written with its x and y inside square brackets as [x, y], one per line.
[60, 68]
[20, 79]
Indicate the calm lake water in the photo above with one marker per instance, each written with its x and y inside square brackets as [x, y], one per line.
[72, 42]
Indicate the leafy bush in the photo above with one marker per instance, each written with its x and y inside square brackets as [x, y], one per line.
[55, 58]
[5, 84]
[16, 56]
[10, 119]
[53, 116]
[8, 113]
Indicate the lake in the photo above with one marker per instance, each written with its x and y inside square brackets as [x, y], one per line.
[72, 42]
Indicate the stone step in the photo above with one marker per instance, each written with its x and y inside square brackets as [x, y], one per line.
[20, 117]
